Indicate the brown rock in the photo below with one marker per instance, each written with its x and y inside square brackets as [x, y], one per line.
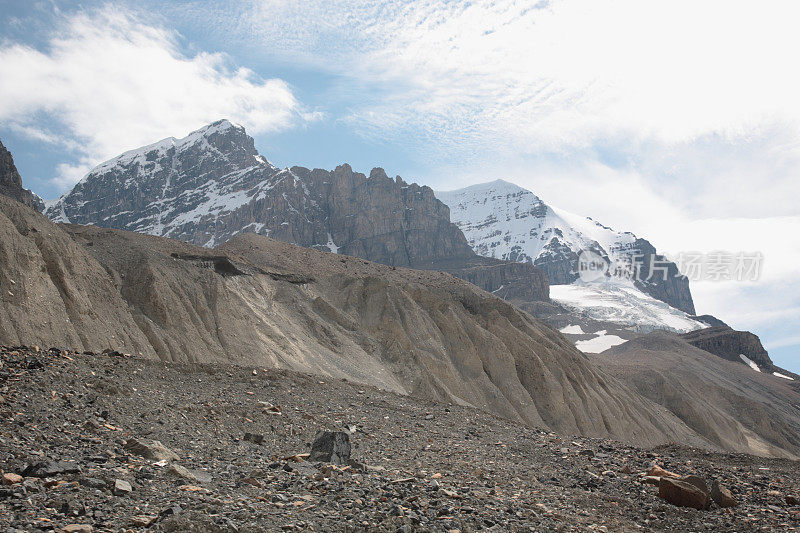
[697, 481]
[792, 500]
[77, 528]
[10, 478]
[657, 471]
[150, 449]
[143, 520]
[682, 494]
[722, 496]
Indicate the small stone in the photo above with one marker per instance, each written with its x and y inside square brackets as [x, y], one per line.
[252, 481]
[586, 453]
[122, 487]
[331, 447]
[77, 528]
[792, 500]
[722, 496]
[143, 520]
[150, 449]
[10, 478]
[657, 471]
[180, 471]
[682, 494]
[255, 438]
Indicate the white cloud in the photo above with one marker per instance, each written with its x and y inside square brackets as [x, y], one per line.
[699, 98]
[567, 70]
[115, 83]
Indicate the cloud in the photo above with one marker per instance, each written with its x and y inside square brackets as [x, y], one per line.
[113, 83]
[698, 97]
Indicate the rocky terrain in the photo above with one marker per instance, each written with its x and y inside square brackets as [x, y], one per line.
[212, 185]
[505, 221]
[11, 182]
[105, 442]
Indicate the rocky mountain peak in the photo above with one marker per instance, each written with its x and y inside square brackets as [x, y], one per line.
[11, 182]
[505, 221]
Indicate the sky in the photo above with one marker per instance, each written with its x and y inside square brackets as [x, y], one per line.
[678, 121]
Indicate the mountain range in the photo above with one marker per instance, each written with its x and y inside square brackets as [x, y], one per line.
[361, 289]
[213, 185]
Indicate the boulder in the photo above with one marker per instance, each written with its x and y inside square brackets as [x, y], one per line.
[50, 469]
[697, 481]
[722, 496]
[682, 494]
[331, 447]
[150, 449]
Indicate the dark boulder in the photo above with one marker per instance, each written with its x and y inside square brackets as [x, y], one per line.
[331, 447]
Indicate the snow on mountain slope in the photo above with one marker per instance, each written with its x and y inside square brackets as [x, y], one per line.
[623, 305]
[203, 188]
[505, 221]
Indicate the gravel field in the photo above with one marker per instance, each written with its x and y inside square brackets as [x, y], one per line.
[77, 454]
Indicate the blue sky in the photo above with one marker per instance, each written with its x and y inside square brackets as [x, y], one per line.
[678, 121]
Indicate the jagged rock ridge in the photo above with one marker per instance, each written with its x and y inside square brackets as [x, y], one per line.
[213, 185]
[505, 221]
[730, 344]
[11, 182]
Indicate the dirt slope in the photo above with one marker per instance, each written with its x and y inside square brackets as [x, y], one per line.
[734, 406]
[261, 302]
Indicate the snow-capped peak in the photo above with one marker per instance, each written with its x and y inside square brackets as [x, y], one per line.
[502, 220]
[157, 149]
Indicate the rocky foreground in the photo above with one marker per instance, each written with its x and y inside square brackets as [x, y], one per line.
[105, 442]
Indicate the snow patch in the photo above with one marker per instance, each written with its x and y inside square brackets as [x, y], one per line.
[778, 374]
[749, 362]
[575, 330]
[600, 343]
[332, 245]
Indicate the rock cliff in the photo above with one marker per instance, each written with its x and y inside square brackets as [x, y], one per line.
[730, 344]
[11, 182]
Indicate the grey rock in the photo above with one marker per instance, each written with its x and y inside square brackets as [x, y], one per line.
[50, 469]
[331, 447]
[11, 182]
[122, 487]
[150, 449]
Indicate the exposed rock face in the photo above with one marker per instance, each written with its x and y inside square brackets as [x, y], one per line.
[505, 221]
[265, 303]
[213, 185]
[731, 345]
[11, 182]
